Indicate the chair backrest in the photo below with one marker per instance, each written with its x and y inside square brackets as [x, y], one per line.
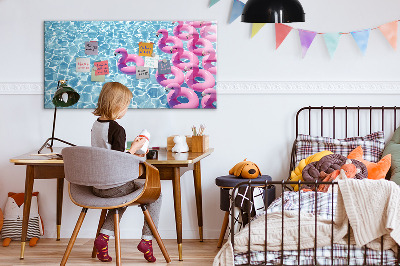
[92, 166]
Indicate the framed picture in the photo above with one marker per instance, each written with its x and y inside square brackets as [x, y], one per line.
[166, 64]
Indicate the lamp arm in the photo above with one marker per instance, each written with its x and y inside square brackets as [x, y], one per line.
[54, 126]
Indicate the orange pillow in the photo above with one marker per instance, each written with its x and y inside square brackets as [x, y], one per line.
[375, 170]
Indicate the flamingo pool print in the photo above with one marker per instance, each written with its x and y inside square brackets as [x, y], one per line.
[189, 46]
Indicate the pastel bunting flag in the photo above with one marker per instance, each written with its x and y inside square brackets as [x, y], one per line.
[389, 30]
[306, 39]
[213, 2]
[255, 28]
[237, 8]
[361, 37]
[281, 31]
[332, 41]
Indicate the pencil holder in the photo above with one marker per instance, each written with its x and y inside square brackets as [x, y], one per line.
[200, 143]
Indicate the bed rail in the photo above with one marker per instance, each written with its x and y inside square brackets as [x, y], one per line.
[265, 185]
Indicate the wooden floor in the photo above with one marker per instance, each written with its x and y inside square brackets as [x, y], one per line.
[50, 252]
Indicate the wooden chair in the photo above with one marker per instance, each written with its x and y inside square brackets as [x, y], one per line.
[85, 167]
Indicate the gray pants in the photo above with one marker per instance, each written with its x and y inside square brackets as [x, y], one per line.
[154, 208]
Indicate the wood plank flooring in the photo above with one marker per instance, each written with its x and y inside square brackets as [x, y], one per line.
[49, 252]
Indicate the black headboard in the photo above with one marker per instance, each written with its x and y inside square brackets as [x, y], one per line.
[344, 121]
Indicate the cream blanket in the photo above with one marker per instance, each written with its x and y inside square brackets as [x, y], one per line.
[371, 206]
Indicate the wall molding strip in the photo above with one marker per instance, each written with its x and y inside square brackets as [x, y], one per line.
[258, 87]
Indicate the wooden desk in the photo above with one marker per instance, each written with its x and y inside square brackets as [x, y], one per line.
[169, 165]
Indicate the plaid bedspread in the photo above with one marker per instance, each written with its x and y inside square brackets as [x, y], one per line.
[322, 206]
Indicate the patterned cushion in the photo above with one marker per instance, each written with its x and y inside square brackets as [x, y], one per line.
[372, 144]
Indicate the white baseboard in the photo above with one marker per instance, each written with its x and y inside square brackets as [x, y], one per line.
[259, 87]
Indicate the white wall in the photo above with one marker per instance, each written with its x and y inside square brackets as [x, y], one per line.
[258, 127]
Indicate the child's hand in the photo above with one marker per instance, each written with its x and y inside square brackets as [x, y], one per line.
[137, 144]
[143, 155]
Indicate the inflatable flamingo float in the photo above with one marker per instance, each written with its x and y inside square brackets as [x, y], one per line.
[209, 32]
[182, 30]
[178, 77]
[177, 91]
[199, 24]
[208, 60]
[181, 53]
[163, 42]
[209, 96]
[196, 72]
[194, 41]
[127, 58]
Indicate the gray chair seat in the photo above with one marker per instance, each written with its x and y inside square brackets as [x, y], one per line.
[83, 196]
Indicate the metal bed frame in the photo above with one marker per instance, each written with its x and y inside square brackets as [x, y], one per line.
[333, 112]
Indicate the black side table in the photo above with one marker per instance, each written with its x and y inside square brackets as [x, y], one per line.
[228, 182]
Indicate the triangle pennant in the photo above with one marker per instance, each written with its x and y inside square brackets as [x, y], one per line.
[213, 2]
[361, 37]
[389, 30]
[306, 39]
[281, 31]
[237, 8]
[332, 41]
[255, 28]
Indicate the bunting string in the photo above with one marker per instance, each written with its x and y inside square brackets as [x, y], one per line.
[361, 37]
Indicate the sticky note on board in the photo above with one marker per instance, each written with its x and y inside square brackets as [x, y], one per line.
[92, 48]
[102, 68]
[82, 64]
[145, 49]
[99, 78]
[164, 67]
[151, 62]
[142, 72]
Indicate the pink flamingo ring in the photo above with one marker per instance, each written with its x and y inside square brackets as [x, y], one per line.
[195, 41]
[195, 72]
[166, 39]
[209, 97]
[208, 60]
[182, 29]
[199, 24]
[175, 91]
[183, 54]
[209, 32]
[178, 77]
[127, 58]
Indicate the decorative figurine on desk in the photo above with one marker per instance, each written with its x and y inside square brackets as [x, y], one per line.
[13, 214]
[180, 144]
[245, 169]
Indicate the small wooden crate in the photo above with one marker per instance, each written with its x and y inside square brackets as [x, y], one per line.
[200, 143]
[171, 143]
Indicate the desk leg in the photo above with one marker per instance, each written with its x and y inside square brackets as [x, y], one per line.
[60, 190]
[176, 183]
[199, 204]
[27, 206]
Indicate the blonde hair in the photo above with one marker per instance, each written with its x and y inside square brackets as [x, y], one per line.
[112, 99]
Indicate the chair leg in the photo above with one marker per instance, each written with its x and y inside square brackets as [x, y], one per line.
[223, 229]
[154, 230]
[73, 237]
[101, 222]
[117, 239]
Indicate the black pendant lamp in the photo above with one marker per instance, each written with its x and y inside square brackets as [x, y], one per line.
[273, 11]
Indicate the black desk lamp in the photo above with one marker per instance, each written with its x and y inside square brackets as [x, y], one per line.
[272, 11]
[65, 96]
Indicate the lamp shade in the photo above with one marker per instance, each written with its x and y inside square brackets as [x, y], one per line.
[273, 11]
[65, 96]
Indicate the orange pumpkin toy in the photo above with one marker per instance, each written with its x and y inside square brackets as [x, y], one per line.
[245, 169]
